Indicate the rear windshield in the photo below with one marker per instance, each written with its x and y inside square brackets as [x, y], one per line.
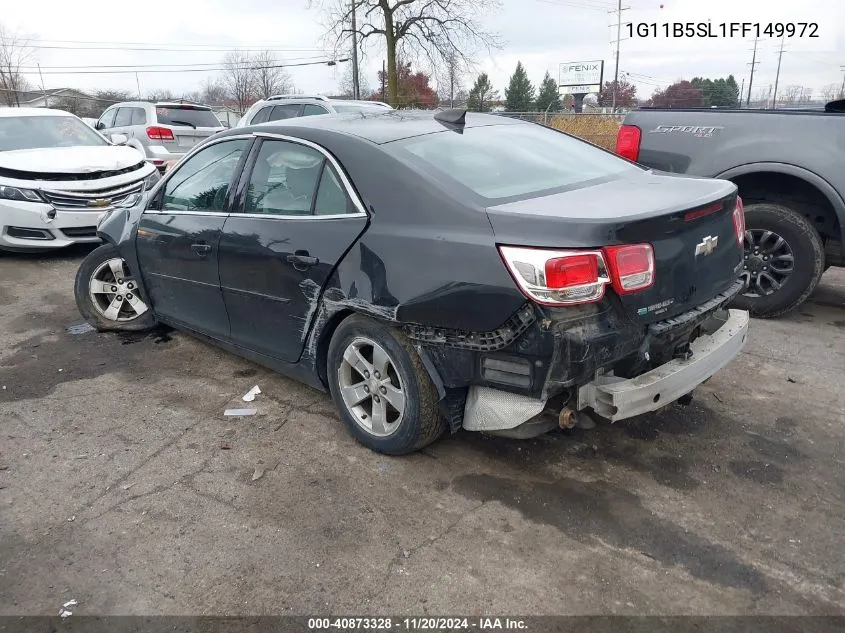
[358, 107]
[37, 132]
[186, 115]
[497, 162]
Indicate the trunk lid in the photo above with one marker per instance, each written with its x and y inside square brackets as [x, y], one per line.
[697, 255]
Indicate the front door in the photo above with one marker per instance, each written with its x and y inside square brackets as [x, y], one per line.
[178, 237]
[293, 221]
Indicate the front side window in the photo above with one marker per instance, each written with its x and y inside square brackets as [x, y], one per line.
[36, 132]
[284, 179]
[262, 115]
[202, 182]
[107, 120]
[512, 161]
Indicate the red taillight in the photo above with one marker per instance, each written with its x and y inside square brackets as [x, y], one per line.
[574, 270]
[156, 133]
[689, 216]
[739, 221]
[631, 267]
[557, 278]
[628, 142]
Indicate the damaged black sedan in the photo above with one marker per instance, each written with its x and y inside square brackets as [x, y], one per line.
[434, 272]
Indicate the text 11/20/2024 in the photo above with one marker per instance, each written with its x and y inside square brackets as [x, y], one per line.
[722, 29]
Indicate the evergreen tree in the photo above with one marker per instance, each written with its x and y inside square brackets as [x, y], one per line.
[482, 94]
[519, 95]
[549, 96]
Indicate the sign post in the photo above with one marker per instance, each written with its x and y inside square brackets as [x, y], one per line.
[580, 79]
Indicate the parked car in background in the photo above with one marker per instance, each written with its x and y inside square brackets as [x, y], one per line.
[279, 107]
[160, 131]
[58, 176]
[434, 271]
[788, 167]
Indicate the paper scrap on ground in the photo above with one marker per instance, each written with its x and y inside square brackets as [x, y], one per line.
[249, 396]
[239, 412]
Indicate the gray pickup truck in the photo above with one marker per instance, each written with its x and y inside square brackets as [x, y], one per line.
[789, 166]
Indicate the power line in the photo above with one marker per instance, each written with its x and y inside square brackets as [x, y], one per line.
[180, 44]
[580, 4]
[143, 66]
[328, 62]
[246, 49]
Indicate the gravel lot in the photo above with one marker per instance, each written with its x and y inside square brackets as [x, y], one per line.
[123, 486]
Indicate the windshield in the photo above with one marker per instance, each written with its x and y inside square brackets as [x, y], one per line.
[511, 161]
[37, 132]
[188, 116]
[358, 107]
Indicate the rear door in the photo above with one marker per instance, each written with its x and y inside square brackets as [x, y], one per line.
[190, 124]
[179, 233]
[293, 219]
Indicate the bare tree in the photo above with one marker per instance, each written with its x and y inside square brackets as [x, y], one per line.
[791, 94]
[15, 50]
[345, 88]
[829, 92]
[213, 92]
[270, 78]
[239, 78]
[449, 77]
[410, 29]
[160, 94]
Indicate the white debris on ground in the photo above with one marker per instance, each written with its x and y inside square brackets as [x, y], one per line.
[249, 396]
[65, 611]
[229, 413]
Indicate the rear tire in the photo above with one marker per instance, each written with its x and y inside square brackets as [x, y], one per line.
[107, 295]
[381, 389]
[774, 234]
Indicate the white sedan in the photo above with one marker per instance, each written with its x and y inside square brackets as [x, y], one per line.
[57, 176]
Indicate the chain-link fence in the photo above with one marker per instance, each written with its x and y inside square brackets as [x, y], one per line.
[600, 129]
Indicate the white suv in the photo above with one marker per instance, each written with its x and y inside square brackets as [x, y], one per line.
[290, 106]
[57, 176]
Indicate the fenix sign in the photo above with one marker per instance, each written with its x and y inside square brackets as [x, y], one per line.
[581, 77]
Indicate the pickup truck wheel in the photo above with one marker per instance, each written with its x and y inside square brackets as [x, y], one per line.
[381, 388]
[784, 260]
[107, 295]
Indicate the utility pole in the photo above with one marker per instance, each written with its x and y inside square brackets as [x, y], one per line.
[777, 75]
[138, 83]
[43, 90]
[741, 92]
[619, 11]
[356, 90]
[753, 64]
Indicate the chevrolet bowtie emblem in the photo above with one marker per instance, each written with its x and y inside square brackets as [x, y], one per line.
[99, 202]
[706, 246]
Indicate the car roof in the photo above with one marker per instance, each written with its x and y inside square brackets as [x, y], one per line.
[12, 112]
[377, 127]
[159, 104]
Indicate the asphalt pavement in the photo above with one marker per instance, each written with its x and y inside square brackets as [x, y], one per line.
[124, 487]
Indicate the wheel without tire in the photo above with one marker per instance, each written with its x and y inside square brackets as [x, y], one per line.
[107, 294]
[381, 388]
[784, 260]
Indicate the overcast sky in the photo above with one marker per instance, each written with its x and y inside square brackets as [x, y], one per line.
[540, 33]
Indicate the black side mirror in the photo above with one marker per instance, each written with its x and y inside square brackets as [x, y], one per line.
[100, 126]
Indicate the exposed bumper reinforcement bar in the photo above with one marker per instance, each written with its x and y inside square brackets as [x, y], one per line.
[619, 398]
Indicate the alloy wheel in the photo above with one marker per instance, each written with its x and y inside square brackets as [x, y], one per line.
[768, 263]
[371, 388]
[114, 293]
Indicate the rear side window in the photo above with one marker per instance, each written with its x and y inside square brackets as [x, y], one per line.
[139, 116]
[284, 179]
[500, 162]
[287, 111]
[262, 116]
[189, 116]
[312, 110]
[124, 117]
[331, 196]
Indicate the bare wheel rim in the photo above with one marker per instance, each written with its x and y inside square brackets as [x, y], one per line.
[769, 262]
[371, 388]
[114, 293]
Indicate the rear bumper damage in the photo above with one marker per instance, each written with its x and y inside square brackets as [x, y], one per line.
[494, 410]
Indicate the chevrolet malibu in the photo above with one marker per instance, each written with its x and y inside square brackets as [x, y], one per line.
[57, 176]
[434, 272]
